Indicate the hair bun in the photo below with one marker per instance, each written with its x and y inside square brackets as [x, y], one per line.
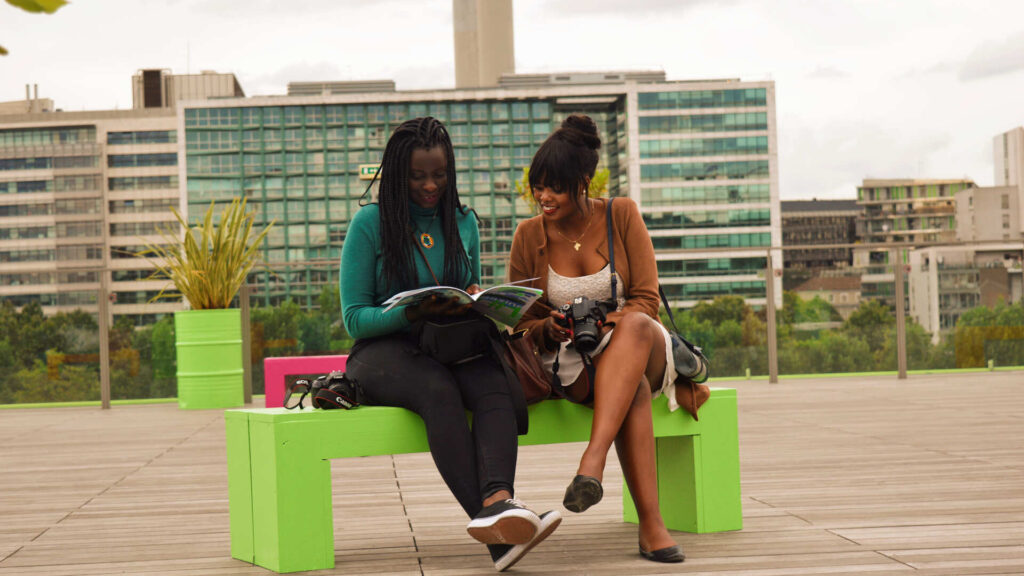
[581, 130]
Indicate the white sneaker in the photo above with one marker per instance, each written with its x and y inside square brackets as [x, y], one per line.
[548, 522]
[504, 522]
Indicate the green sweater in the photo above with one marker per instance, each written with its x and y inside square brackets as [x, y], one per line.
[362, 272]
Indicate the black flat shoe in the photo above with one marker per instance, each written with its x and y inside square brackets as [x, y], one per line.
[670, 555]
[582, 493]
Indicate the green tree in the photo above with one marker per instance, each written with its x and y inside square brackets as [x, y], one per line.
[834, 352]
[870, 322]
[162, 351]
[721, 309]
[76, 383]
[330, 302]
[280, 328]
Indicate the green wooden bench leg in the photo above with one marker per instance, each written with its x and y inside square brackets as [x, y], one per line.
[292, 523]
[239, 485]
[719, 465]
[699, 475]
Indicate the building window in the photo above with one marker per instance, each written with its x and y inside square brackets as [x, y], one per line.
[140, 160]
[1006, 201]
[148, 137]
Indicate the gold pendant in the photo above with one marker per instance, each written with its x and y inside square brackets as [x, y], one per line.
[428, 241]
[577, 246]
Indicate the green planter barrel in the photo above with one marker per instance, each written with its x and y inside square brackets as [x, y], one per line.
[209, 347]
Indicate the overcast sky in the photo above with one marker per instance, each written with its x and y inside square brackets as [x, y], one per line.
[871, 89]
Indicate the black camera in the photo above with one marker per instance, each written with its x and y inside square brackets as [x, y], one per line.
[584, 317]
[330, 391]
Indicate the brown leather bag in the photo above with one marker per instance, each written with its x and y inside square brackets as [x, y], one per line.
[524, 359]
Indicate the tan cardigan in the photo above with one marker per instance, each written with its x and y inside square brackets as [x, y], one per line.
[634, 261]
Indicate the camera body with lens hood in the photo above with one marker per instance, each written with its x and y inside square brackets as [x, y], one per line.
[585, 317]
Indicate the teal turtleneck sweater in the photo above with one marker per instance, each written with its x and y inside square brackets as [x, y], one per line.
[362, 272]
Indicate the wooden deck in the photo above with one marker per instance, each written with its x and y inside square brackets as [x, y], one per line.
[840, 476]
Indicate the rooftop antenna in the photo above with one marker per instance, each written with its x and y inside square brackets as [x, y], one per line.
[188, 64]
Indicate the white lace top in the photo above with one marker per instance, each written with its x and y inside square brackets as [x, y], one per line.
[597, 286]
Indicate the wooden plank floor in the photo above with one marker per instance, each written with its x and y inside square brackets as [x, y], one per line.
[840, 476]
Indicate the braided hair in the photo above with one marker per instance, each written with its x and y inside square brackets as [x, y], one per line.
[395, 230]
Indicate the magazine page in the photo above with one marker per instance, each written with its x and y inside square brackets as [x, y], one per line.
[410, 297]
[506, 304]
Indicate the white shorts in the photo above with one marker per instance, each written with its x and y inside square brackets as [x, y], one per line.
[570, 365]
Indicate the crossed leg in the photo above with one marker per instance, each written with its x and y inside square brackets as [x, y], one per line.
[622, 414]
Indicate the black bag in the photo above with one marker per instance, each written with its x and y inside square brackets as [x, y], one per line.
[327, 392]
[456, 339]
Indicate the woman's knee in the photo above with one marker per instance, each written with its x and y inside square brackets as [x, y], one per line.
[635, 327]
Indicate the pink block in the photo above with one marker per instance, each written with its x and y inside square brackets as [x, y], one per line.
[275, 370]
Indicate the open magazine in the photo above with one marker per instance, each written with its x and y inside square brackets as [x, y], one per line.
[505, 303]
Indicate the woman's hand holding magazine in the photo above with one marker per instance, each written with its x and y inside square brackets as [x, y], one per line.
[505, 303]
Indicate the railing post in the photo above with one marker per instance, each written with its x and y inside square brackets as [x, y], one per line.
[901, 317]
[773, 351]
[243, 302]
[103, 318]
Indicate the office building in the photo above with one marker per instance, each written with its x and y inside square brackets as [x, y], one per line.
[80, 192]
[699, 157]
[819, 222]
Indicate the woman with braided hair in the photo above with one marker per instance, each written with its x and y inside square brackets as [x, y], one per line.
[418, 234]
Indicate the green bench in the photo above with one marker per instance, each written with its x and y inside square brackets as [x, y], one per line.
[279, 474]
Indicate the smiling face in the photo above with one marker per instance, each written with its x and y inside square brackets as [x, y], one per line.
[558, 206]
[428, 176]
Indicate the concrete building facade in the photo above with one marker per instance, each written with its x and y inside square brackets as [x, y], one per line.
[946, 281]
[484, 42]
[988, 214]
[80, 193]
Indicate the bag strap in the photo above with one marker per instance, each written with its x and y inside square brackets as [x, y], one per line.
[664, 300]
[611, 251]
[696, 350]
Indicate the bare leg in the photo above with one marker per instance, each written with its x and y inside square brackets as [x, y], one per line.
[637, 347]
[636, 448]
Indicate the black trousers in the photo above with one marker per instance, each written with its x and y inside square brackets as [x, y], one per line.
[474, 462]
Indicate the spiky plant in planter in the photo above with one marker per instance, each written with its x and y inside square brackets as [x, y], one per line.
[208, 264]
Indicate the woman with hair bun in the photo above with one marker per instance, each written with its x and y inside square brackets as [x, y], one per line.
[419, 234]
[566, 249]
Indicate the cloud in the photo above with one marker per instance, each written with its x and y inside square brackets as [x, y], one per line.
[830, 160]
[994, 59]
[635, 7]
[277, 82]
[827, 72]
[277, 8]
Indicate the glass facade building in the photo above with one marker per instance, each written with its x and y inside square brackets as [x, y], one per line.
[699, 158]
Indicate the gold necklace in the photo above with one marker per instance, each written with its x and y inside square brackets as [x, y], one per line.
[576, 243]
